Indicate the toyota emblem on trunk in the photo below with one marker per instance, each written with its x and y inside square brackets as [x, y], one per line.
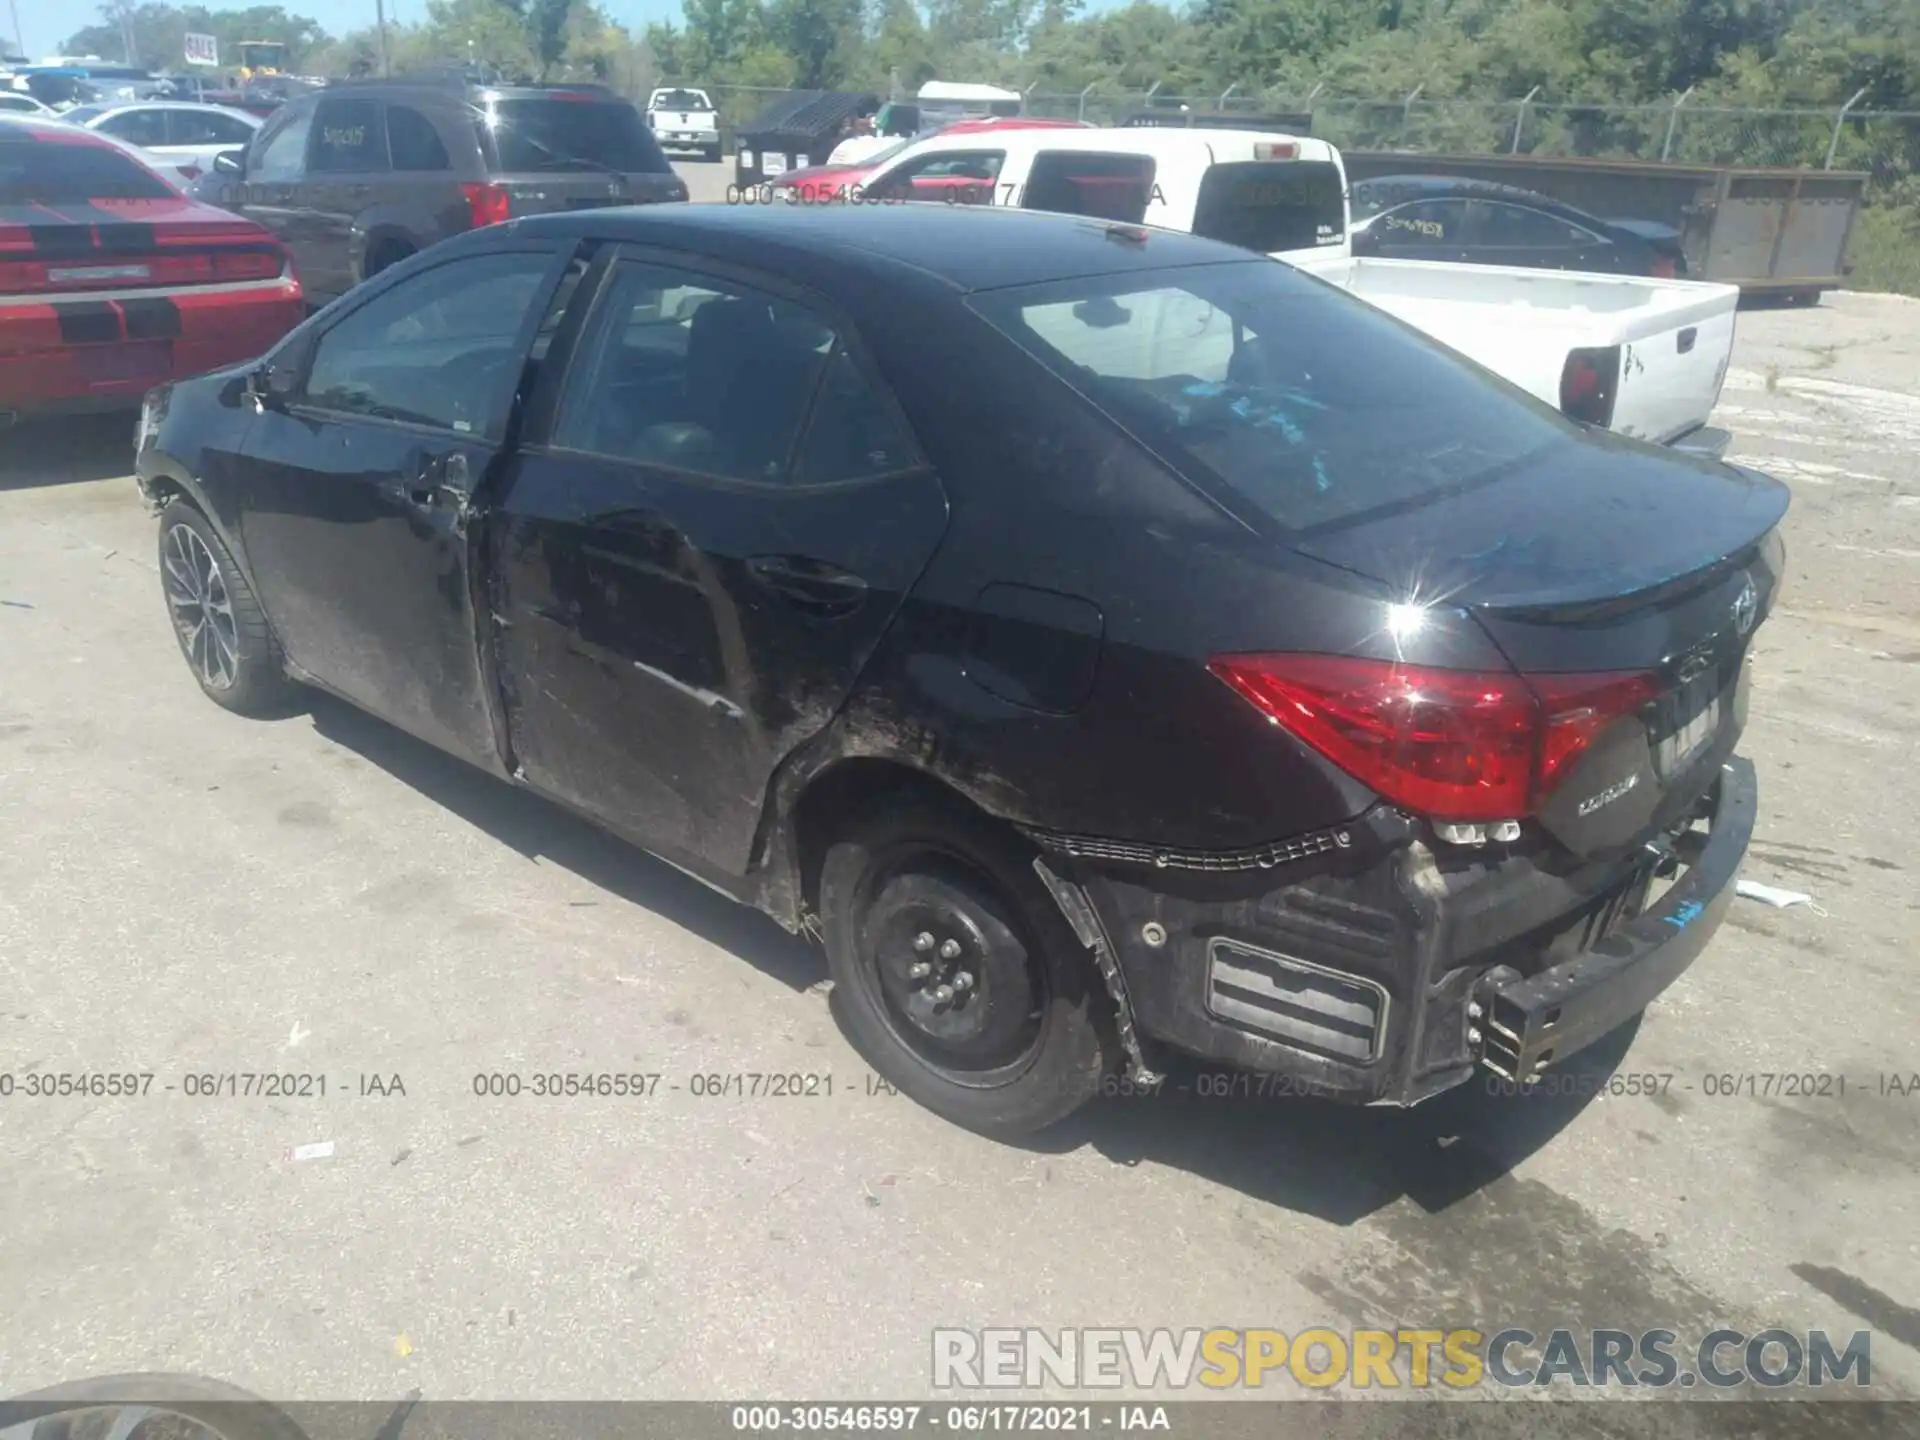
[1744, 606]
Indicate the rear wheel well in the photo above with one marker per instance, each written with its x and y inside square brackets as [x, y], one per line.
[838, 795]
[389, 250]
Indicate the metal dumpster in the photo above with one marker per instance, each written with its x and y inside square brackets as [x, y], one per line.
[795, 131]
[1769, 231]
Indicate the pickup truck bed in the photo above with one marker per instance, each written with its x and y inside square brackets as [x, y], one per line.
[1675, 337]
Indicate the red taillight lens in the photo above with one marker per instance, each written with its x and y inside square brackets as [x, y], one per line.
[1448, 744]
[1663, 267]
[486, 204]
[1588, 383]
[248, 265]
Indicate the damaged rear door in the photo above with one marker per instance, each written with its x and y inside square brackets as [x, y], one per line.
[704, 535]
[358, 487]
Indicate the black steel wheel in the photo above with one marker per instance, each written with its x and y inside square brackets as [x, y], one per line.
[954, 973]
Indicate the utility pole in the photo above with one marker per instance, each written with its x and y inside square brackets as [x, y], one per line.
[126, 33]
[380, 12]
[19, 41]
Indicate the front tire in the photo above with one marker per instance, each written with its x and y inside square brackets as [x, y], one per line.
[222, 631]
[955, 974]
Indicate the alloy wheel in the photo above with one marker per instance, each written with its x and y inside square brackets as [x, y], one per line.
[201, 607]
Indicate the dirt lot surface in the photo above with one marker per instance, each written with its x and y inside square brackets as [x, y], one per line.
[190, 893]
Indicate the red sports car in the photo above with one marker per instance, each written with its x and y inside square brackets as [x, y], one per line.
[839, 182]
[112, 281]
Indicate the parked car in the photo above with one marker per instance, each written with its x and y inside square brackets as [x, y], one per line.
[112, 281]
[1477, 222]
[18, 102]
[685, 119]
[1642, 357]
[1272, 686]
[178, 135]
[846, 181]
[358, 176]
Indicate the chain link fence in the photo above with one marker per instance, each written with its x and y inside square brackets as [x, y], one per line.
[1884, 143]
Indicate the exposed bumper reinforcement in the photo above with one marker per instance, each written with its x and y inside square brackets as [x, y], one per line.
[1529, 1023]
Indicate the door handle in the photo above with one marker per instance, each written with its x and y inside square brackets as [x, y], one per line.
[810, 586]
[1687, 337]
[438, 479]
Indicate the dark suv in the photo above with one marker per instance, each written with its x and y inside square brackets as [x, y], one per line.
[359, 175]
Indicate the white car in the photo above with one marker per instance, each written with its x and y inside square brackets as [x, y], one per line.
[178, 137]
[18, 102]
[684, 119]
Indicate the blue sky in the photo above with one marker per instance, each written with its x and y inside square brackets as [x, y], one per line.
[45, 23]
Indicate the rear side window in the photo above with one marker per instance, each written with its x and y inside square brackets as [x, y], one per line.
[554, 134]
[1270, 205]
[348, 136]
[1257, 381]
[144, 128]
[413, 141]
[206, 127]
[1522, 225]
[45, 172]
[1107, 187]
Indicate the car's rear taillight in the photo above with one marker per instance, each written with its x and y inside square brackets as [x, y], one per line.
[1588, 384]
[1663, 268]
[249, 265]
[486, 204]
[1452, 745]
[1276, 150]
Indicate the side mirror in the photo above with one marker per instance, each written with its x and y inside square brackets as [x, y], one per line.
[230, 162]
[271, 385]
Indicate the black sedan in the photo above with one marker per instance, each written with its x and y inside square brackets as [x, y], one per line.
[1478, 222]
[1108, 644]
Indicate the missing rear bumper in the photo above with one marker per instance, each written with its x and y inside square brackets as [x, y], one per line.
[1522, 1025]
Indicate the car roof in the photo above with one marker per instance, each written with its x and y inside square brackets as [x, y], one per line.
[1161, 144]
[963, 247]
[25, 127]
[1462, 184]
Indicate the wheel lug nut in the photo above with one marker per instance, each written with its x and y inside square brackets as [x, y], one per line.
[923, 941]
[943, 994]
[919, 970]
[949, 949]
[963, 981]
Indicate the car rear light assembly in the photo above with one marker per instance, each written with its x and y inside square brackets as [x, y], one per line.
[130, 272]
[1276, 150]
[487, 204]
[1472, 751]
[1589, 383]
[1663, 267]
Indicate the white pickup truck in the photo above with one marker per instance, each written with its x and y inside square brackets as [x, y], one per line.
[1639, 356]
[684, 119]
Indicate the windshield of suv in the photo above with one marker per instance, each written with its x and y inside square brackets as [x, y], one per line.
[1256, 379]
[555, 134]
[32, 172]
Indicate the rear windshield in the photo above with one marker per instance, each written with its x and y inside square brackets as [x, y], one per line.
[1260, 383]
[571, 135]
[1270, 205]
[58, 174]
[680, 100]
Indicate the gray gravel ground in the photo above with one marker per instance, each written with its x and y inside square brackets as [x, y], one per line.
[188, 892]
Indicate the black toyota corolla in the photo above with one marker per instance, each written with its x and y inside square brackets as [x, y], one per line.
[1108, 644]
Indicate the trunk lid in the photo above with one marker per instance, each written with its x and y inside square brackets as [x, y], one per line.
[1601, 557]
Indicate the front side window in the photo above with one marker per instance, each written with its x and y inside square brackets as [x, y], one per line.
[1259, 381]
[145, 128]
[1272, 205]
[694, 374]
[281, 151]
[441, 348]
[349, 137]
[964, 177]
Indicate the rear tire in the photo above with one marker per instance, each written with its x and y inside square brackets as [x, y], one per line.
[221, 629]
[387, 254]
[1019, 1043]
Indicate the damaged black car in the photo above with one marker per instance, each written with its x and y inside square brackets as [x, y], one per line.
[1109, 645]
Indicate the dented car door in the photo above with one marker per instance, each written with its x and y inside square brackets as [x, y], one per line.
[361, 471]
